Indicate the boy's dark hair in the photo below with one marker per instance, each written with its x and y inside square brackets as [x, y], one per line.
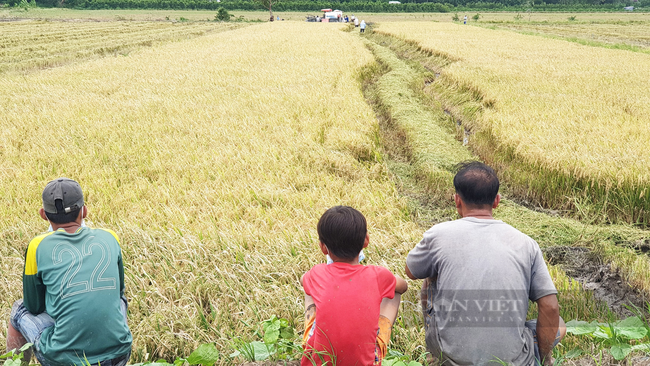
[476, 183]
[343, 230]
[62, 218]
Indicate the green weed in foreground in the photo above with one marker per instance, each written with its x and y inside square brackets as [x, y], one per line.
[395, 358]
[279, 342]
[621, 337]
[205, 355]
[15, 358]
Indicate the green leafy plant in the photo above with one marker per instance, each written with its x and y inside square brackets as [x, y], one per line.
[395, 358]
[15, 358]
[476, 16]
[574, 353]
[206, 355]
[278, 342]
[518, 17]
[572, 18]
[455, 18]
[616, 336]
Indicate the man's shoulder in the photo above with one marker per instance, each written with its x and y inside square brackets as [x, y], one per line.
[107, 231]
[31, 265]
[39, 238]
[467, 222]
[39, 241]
[447, 226]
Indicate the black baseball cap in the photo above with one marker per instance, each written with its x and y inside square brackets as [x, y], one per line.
[66, 190]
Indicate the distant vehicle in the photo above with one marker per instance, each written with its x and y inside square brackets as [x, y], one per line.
[394, 2]
[629, 8]
[332, 15]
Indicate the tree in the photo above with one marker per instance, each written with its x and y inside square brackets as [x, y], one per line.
[268, 4]
[222, 15]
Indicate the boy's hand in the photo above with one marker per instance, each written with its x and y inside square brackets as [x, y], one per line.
[400, 285]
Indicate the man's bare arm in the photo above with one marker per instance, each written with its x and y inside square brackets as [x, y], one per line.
[409, 274]
[548, 321]
[400, 285]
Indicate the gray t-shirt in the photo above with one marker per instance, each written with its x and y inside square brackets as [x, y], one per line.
[482, 274]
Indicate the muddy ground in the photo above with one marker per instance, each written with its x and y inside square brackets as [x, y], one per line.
[606, 284]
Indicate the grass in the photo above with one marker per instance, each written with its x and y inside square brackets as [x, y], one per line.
[524, 101]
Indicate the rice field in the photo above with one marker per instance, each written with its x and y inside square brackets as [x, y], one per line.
[634, 35]
[213, 149]
[213, 159]
[35, 44]
[566, 123]
[412, 106]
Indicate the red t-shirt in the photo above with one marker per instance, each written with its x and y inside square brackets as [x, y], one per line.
[347, 299]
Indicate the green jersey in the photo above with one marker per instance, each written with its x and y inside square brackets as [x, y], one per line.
[78, 280]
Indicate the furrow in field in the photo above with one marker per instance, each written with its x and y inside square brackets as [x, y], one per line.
[565, 124]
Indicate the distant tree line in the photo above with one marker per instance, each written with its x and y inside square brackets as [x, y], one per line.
[375, 6]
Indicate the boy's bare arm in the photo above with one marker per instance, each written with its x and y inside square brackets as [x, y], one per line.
[400, 285]
[310, 316]
[309, 303]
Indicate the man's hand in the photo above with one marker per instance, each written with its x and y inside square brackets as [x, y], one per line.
[548, 321]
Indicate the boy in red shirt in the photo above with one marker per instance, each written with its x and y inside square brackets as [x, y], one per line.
[349, 308]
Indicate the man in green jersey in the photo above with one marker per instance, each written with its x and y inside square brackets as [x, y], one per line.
[73, 308]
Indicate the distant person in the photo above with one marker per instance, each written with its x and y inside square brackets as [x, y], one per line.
[349, 308]
[363, 26]
[347, 20]
[479, 274]
[356, 22]
[73, 308]
[317, 18]
[465, 20]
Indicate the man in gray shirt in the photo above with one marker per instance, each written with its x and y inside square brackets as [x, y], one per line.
[479, 275]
